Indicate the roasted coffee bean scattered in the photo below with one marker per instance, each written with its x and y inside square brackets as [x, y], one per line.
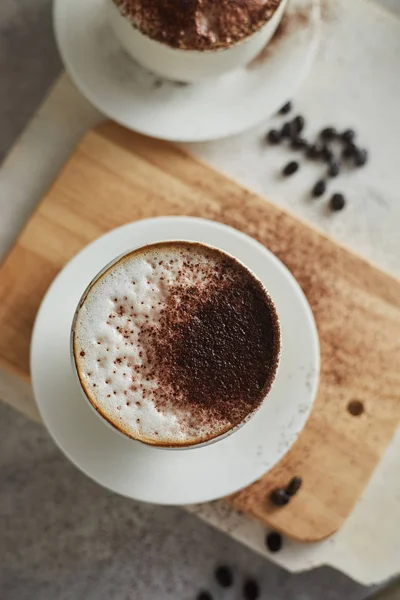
[348, 135]
[314, 151]
[329, 133]
[349, 150]
[203, 595]
[298, 123]
[286, 130]
[334, 169]
[273, 541]
[224, 576]
[274, 136]
[294, 486]
[319, 188]
[337, 202]
[279, 497]
[251, 589]
[360, 157]
[326, 153]
[336, 148]
[299, 143]
[290, 168]
[293, 131]
[286, 108]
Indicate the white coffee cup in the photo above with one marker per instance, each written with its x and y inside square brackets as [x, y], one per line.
[190, 65]
[78, 355]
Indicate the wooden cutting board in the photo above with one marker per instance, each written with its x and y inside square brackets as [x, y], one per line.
[115, 177]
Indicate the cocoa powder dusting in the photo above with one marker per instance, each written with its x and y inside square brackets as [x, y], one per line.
[215, 352]
[222, 360]
[330, 11]
[198, 24]
[292, 21]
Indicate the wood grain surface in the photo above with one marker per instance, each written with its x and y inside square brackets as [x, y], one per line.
[115, 177]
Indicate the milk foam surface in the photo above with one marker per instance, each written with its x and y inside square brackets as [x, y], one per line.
[111, 340]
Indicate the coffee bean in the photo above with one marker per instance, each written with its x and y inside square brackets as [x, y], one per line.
[349, 150]
[326, 153]
[286, 130]
[298, 123]
[294, 486]
[337, 202]
[290, 168]
[274, 136]
[319, 188]
[298, 143]
[224, 576]
[279, 497]
[329, 133]
[273, 541]
[314, 151]
[203, 595]
[286, 108]
[334, 169]
[360, 157]
[251, 589]
[348, 135]
[293, 131]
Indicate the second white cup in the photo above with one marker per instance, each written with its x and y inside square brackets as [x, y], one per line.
[190, 65]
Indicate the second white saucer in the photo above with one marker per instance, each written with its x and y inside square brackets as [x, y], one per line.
[164, 476]
[141, 101]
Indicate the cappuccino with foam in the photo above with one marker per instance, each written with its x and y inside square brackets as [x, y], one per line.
[176, 343]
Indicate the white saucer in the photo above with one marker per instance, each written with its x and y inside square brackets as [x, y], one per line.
[141, 101]
[165, 476]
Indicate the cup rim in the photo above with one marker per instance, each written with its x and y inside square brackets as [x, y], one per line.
[103, 416]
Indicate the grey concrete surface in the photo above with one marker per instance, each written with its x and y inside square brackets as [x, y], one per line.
[393, 5]
[29, 63]
[62, 537]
